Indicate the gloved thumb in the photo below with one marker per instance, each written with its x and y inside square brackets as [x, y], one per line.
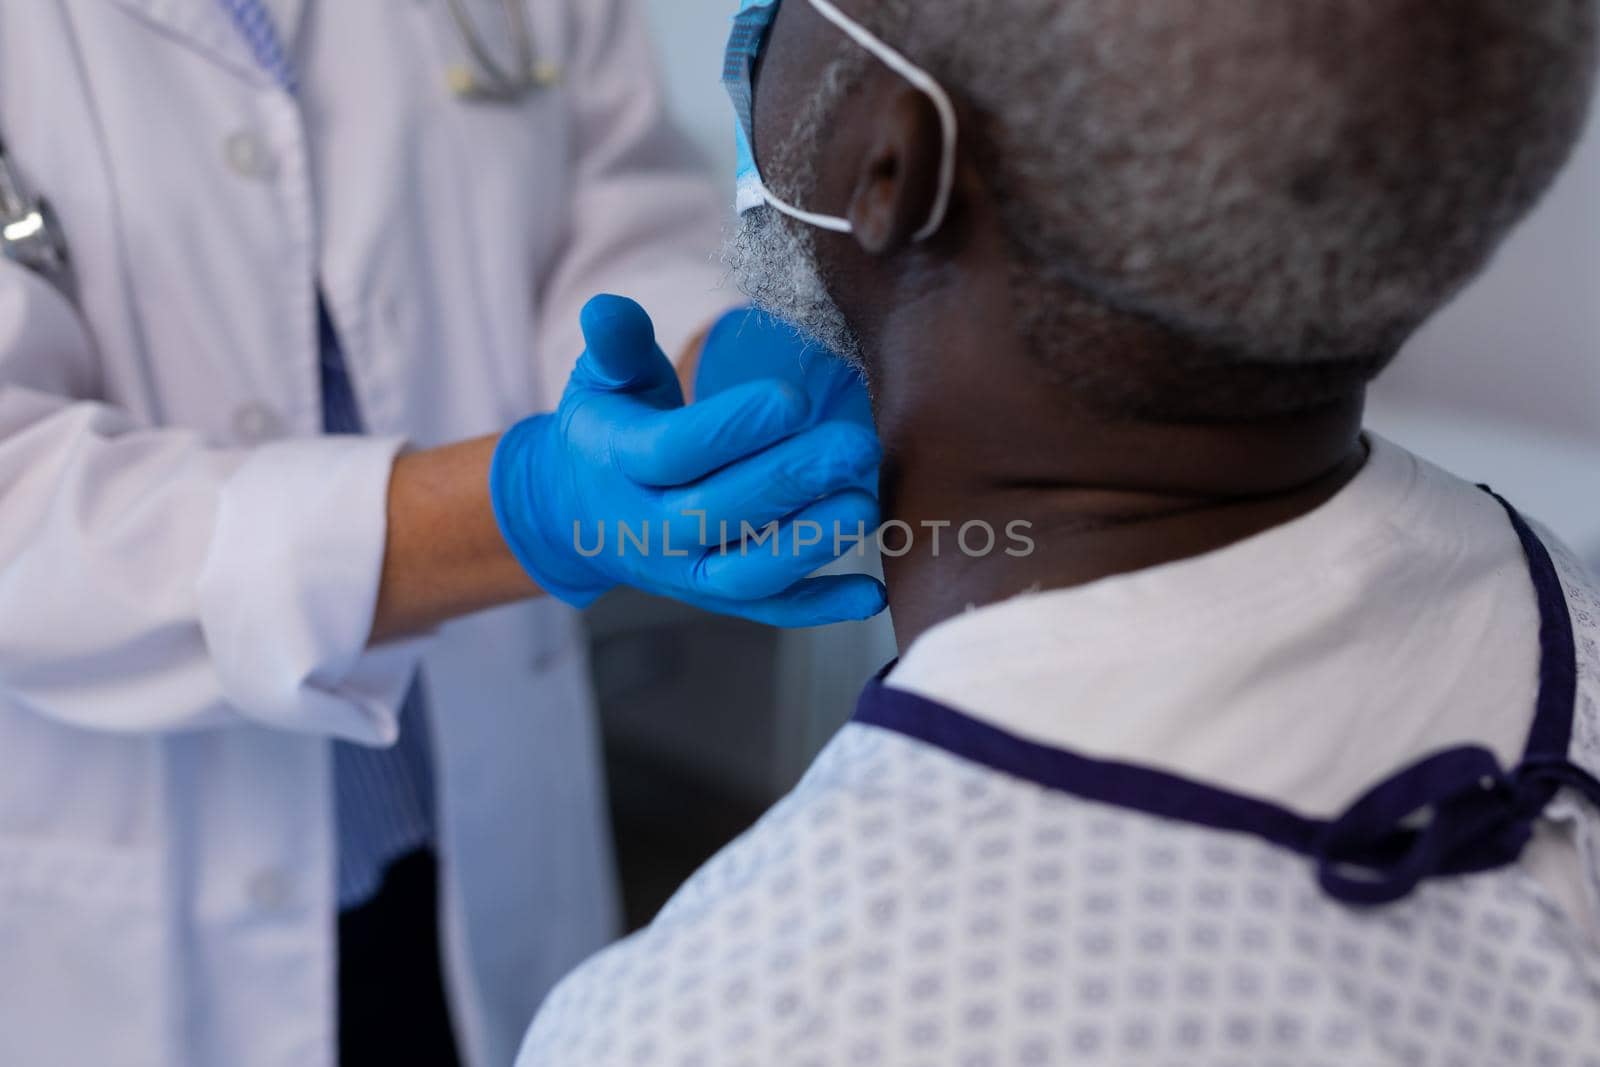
[621, 354]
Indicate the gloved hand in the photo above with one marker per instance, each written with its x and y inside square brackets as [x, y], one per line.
[623, 459]
[750, 345]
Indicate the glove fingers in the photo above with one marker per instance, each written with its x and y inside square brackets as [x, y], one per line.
[621, 354]
[672, 448]
[749, 344]
[843, 392]
[775, 558]
[780, 481]
[823, 601]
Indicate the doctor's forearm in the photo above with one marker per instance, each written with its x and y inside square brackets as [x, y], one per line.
[444, 556]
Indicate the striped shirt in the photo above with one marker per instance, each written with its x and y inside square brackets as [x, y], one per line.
[384, 797]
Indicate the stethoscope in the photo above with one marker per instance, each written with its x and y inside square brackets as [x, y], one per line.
[29, 234]
[485, 78]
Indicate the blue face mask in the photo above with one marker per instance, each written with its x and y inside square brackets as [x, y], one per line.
[750, 28]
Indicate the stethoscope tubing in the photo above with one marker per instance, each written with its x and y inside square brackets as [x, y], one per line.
[496, 80]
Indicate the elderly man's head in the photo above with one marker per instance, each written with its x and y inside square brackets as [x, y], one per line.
[1205, 208]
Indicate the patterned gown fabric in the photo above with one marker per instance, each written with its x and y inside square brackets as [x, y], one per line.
[908, 907]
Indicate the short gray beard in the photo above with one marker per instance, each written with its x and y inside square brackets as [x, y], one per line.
[772, 258]
[774, 263]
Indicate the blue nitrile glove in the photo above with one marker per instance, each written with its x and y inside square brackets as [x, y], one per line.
[622, 449]
[750, 345]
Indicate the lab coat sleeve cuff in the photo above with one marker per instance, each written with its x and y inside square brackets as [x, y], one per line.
[290, 586]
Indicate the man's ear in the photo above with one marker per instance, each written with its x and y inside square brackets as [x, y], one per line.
[898, 179]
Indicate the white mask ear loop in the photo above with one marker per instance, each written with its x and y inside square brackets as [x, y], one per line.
[922, 81]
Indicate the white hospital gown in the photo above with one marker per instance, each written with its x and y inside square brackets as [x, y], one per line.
[908, 906]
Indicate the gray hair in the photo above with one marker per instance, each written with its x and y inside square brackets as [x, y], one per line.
[1295, 184]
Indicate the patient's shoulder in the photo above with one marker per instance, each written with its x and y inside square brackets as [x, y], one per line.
[898, 899]
[799, 934]
[905, 906]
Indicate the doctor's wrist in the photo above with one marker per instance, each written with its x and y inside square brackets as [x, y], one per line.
[444, 556]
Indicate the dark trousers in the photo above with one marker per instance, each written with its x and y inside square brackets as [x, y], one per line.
[392, 1007]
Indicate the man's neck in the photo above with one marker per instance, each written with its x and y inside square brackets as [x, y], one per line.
[1037, 538]
[976, 432]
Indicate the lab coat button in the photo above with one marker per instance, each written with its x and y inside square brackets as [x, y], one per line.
[254, 424]
[247, 156]
[270, 891]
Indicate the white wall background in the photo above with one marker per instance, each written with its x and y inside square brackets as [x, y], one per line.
[691, 36]
[1503, 387]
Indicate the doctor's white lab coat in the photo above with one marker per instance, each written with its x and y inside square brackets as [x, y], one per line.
[187, 574]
